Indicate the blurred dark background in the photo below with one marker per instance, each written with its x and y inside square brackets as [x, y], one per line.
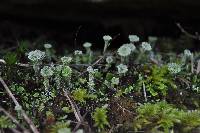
[69, 23]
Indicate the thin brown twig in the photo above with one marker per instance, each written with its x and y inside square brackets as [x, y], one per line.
[95, 63]
[29, 65]
[26, 118]
[111, 130]
[192, 63]
[19, 64]
[75, 122]
[196, 36]
[74, 107]
[144, 91]
[79, 124]
[198, 67]
[15, 130]
[154, 61]
[116, 36]
[184, 81]
[14, 120]
[77, 113]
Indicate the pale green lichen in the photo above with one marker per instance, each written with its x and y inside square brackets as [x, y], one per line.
[90, 82]
[187, 53]
[36, 55]
[122, 69]
[133, 38]
[107, 40]
[57, 78]
[109, 59]
[46, 71]
[36, 58]
[115, 81]
[146, 46]
[78, 52]
[87, 45]
[47, 46]
[124, 51]
[174, 68]
[66, 60]
[66, 71]
[131, 46]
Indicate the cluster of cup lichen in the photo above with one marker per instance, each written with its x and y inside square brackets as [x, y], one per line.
[91, 79]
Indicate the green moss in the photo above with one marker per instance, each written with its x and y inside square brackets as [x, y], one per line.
[100, 118]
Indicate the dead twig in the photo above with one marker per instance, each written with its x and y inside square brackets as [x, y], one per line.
[15, 130]
[111, 130]
[79, 124]
[26, 118]
[29, 65]
[154, 61]
[192, 63]
[144, 92]
[74, 107]
[95, 63]
[196, 36]
[19, 64]
[198, 67]
[184, 81]
[14, 120]
[77, 113]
